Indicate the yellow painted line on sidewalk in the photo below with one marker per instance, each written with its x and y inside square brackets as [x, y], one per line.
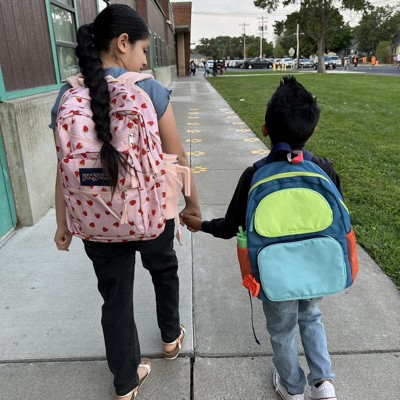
[238, 123]
[193, 131]
[235, 116]
[199, 170]
[252, 139]
[193, 117]
[193, 109]
[259, 151]
[195, 153]
[229, 112]
[193, 123]
[243, 130]
[193, 140]
[193, 113]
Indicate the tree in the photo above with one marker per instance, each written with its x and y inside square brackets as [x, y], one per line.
[207, 47]
[383, 52]
[337, 38]
[379, 25]
[316, 18]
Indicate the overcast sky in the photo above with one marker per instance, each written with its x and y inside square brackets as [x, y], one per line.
[211, 18]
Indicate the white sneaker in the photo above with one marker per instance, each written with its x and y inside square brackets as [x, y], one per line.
[325, 391]
[282, 391]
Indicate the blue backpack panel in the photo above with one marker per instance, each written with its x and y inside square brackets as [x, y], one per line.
[300, 241]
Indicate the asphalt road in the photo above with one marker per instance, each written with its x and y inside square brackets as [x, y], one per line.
[366, 69]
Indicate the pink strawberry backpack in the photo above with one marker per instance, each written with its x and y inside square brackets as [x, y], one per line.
[136, 210]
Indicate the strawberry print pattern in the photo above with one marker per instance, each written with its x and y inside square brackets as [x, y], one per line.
[136, 209]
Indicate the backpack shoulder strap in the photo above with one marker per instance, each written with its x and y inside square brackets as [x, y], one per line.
[127, 77]
[76, 81]
[132, 77]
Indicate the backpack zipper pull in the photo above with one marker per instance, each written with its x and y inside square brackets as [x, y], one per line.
[124, 216]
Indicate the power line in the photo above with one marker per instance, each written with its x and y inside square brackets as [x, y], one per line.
[238, 14]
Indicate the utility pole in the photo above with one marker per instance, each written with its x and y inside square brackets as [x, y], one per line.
[298, 37]
[298, 46]
[244, 38]
[262, 27]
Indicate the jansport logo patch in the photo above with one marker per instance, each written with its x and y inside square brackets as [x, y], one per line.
[93, 177]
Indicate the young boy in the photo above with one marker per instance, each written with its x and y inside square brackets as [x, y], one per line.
[291, 117]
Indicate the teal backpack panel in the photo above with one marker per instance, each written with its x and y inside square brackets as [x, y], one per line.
[294, 270]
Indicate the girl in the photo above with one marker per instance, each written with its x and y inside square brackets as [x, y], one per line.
[116, 42]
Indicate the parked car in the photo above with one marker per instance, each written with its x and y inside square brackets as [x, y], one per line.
[236, 64]
[257, 62]
[210, 64]
[329, 63]
[337, 60]
[306, 63]
[288, 62]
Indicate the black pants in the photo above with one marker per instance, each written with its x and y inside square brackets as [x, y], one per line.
[114, 265]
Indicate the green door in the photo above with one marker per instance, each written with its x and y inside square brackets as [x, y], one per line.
[7, 211]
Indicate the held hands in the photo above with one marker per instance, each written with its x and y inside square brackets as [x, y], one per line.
[192, 222]
[63, 238]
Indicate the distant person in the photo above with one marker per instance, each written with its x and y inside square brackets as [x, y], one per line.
[355, 61]
[291, 118]
[206, 69]
[215, 70]
[220, 67]
[225, 65]
[192, 68]
[346, 63]
[398, 60]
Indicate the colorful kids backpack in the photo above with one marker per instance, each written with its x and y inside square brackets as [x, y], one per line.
[300, 241]
[135, 211]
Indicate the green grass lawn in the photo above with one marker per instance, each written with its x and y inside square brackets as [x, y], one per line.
[359, 131]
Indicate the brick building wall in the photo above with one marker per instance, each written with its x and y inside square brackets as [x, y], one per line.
[182, 24]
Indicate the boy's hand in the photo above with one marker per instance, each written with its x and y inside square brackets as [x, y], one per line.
[192, 222]
[63, 238]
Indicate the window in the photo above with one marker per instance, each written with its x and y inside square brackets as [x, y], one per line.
[156, 51]
[64, 26]
[161, 50]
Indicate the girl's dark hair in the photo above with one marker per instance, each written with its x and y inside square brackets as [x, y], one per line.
[93, 40]
[292, 114]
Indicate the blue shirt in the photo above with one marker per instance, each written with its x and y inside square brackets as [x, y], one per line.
[159, 95]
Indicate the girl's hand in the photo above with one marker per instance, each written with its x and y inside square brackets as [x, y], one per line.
[192, 222]
[63, 238]
[191, 210]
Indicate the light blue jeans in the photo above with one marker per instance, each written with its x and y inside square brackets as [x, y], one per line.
[282, 319]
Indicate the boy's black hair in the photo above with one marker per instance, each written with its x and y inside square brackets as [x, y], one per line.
[292, 114]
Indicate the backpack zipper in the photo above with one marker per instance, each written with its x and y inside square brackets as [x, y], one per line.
[288, 175]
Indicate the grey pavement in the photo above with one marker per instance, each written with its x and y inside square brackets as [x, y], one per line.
[51, 344]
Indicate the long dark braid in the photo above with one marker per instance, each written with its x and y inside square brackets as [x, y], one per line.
[93, 39]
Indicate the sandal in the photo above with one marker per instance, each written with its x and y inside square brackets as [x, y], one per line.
[172, 354]
[146, 364]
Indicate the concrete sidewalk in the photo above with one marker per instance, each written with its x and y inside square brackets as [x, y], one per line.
[51, 344]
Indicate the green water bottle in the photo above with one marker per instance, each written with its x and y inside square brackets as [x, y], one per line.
[248, 280]
[241, 238]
